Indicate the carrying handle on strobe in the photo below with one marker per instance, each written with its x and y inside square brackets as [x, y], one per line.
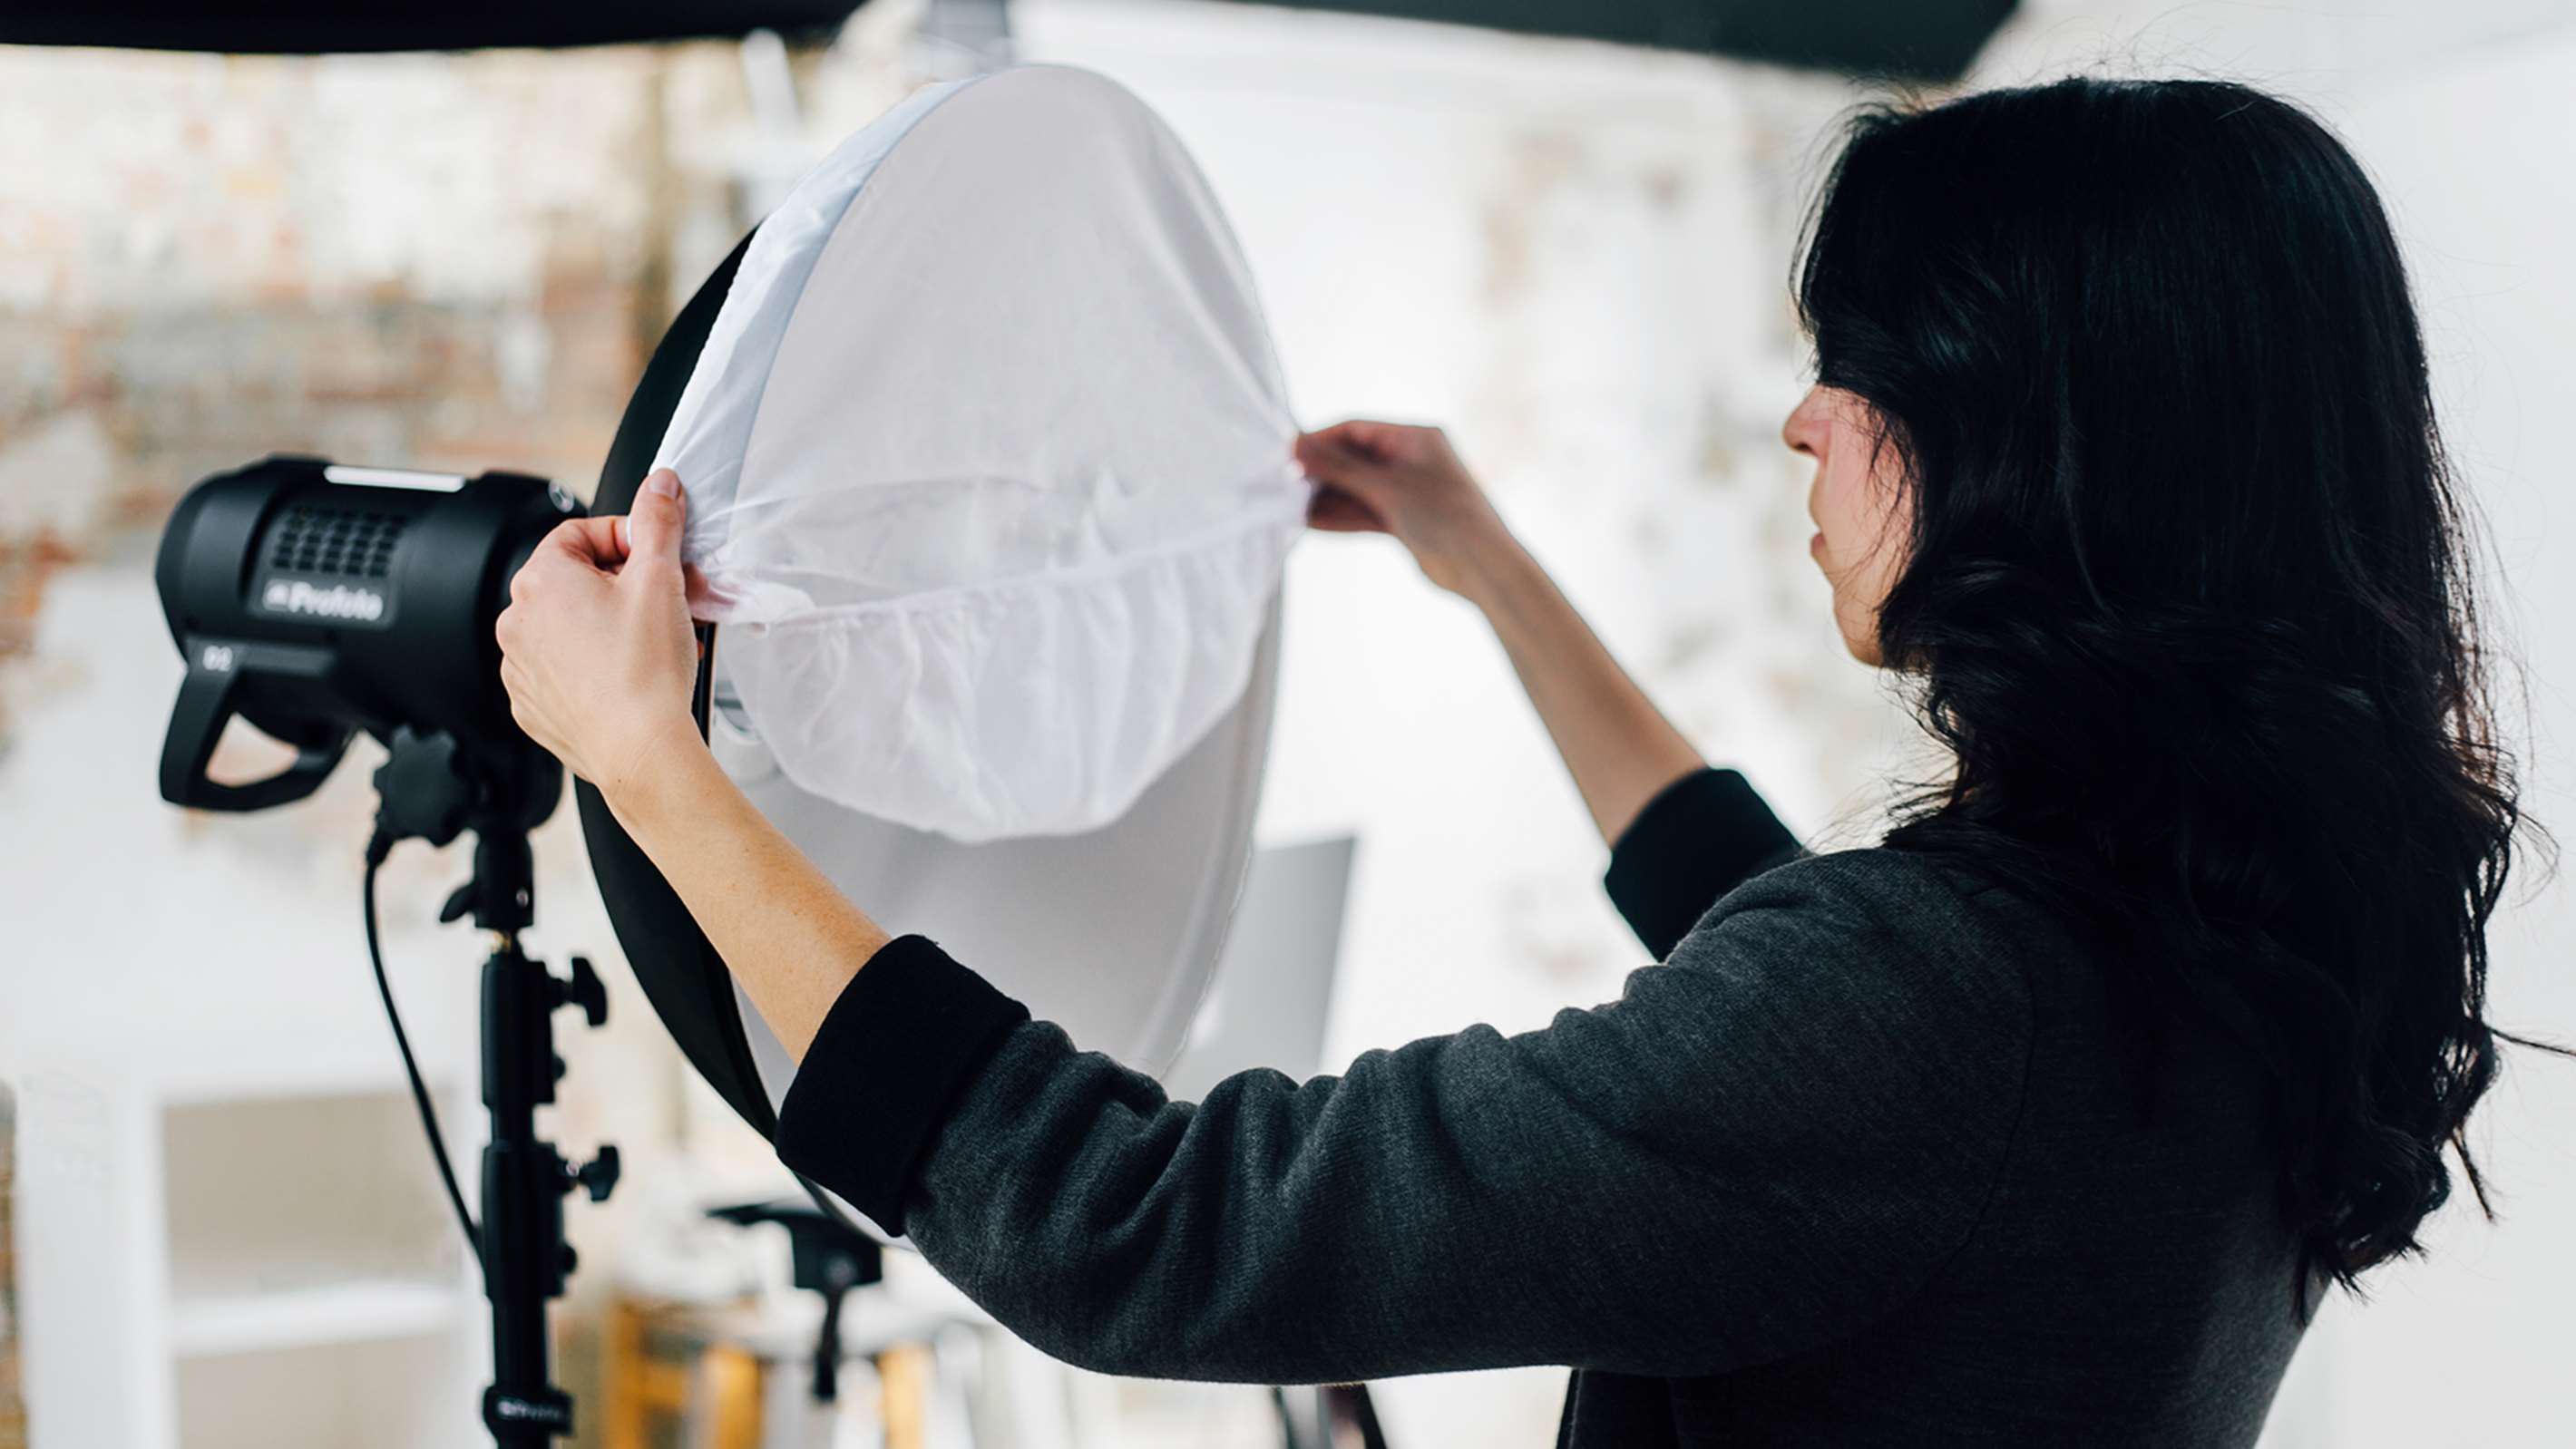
[205, 706]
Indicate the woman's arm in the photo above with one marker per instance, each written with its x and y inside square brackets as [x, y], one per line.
[788, 933]
[1408, 483]
[599, 659]
[1763, 1146]
[1703, 836]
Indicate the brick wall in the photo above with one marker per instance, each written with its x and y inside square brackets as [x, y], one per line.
[442, 261]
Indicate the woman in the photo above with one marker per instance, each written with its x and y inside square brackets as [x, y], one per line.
[2045, 1120]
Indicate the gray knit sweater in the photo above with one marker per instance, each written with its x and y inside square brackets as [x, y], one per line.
[1857, 1164]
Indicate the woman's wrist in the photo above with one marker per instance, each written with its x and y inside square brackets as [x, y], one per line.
[1496, 573]
[671, 781]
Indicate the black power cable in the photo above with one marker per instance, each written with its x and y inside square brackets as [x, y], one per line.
[377, 850]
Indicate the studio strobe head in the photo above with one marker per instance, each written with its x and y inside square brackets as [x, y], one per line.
[316, 601]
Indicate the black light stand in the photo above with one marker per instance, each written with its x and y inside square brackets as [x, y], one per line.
[431, 792]
[313, 602]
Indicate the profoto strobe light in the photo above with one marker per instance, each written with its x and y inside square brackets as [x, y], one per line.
[315, 601]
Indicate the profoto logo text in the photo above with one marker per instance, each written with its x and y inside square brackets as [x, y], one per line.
[339, 601]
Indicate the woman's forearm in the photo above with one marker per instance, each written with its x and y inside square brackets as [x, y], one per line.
[1618, 746]
[782, 927]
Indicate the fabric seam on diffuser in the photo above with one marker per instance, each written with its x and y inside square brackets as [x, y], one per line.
[958, 595]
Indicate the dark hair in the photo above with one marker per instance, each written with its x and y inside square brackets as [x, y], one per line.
[2188, 592]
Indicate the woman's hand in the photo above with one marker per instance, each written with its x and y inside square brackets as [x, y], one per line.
[1388, 478]
[1408, 483]
[599, 658]
[596, 648]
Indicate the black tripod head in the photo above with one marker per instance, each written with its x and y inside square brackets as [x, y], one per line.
[828, 1256]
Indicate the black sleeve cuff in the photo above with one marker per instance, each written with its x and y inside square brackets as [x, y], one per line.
[1696, 840]
[907, 1034]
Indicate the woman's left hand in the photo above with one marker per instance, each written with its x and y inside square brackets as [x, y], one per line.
[596, 648]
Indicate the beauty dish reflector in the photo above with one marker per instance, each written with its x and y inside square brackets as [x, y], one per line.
[988, 460]
[1001, 514]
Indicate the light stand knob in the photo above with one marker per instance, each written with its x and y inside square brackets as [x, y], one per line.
[598, 1177]
[583, 990]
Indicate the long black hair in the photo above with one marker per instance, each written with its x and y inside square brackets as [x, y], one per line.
[2188, 591]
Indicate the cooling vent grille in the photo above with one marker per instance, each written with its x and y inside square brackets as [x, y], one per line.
[352, 543]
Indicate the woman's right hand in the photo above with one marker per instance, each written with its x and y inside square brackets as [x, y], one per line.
[1405, 482]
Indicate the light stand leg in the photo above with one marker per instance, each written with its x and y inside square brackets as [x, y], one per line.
[525, 1258]
[524, 1255]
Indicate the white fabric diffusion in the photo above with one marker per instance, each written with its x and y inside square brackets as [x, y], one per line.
[988, 463]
